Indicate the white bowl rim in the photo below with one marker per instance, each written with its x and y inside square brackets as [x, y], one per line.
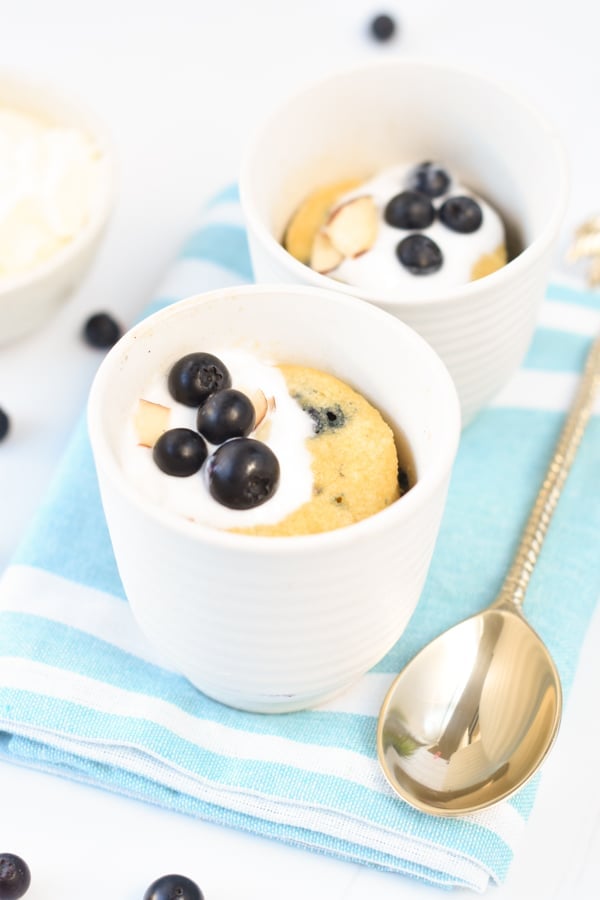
[470, 291]
[100, 135]
[402, 509]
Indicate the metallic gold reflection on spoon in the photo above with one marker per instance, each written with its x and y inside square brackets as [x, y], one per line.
[472, 716]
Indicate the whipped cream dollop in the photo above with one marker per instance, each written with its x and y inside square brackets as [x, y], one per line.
[51, 177]
[285, 430]
[379, 267]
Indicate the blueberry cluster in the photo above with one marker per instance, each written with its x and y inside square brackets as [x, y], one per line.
[242, 472]
[413, 210]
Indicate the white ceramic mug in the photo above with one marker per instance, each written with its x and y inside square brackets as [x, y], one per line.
[355, 123]
[278, 623]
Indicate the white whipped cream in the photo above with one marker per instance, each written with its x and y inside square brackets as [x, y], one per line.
[50, 179]
[380, 269]
[285, 431]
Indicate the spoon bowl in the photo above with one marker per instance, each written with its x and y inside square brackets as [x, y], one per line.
[493, 700]
[472, 716]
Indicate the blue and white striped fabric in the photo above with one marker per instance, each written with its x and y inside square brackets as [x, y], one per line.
[82, 694]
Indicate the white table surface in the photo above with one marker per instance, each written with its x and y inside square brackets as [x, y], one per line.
[181, 84]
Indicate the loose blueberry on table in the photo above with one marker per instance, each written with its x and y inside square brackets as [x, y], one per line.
[4, 424]
[15, 876]
[101, 331]
[173, 887]
[383, 27]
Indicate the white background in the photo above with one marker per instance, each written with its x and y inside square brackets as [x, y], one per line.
[181, 85]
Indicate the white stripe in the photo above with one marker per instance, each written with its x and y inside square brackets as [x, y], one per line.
[573, 280]
[534, 389]
[189, 276]
[570, 317]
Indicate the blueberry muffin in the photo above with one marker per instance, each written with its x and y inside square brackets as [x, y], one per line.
[354, 457]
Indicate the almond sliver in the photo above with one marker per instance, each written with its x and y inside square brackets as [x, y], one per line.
[352, 227]
[150, 421]
[324, 257]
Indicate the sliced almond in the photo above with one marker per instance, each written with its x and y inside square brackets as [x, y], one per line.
[311, 214]
[352, 227]
[259, 402]
[150, 421]
[324, 257]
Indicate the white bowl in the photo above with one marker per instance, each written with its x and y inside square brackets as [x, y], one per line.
[278, 623]
[355, 123]
[28, 299]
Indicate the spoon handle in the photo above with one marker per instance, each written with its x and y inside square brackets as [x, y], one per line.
[515, 584]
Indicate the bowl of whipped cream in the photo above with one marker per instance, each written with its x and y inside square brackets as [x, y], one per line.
[431, 191]
[57, 186]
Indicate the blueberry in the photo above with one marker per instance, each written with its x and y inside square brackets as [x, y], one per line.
[382, 27]
[226, 414]
[430, 179]
[462, 214]
[243, 473]
[180, 452]
[173, 887]
[15, 876]
[4, 424]
[410, 209]
[326, 418]
[196, 376]
[403, 481]
[101, 331]
[419, 254]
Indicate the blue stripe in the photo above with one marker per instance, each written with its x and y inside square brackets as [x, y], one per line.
[74, 544]
[229, 194]
[576, 296]
[337, 795]
[223, 244]
[557, 351]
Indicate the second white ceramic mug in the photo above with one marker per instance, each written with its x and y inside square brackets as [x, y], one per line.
[355, 123]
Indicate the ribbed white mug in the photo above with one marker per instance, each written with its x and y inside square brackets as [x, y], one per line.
[402, 111]
[274, 624]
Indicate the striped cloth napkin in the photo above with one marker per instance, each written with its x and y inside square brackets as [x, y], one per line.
[82, 694]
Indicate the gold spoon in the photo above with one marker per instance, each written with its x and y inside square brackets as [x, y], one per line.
[471, 717]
